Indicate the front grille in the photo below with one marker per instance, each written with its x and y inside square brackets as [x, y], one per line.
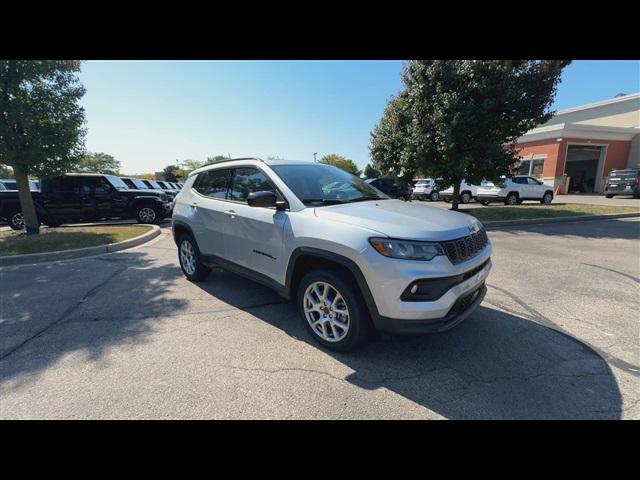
[464, 303]
[464, 248]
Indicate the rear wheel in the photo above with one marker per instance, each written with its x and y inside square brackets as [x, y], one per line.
[465, 197]
[609, 196]
[148, 214]
[512, 199]
[190, 259]
[16, 221]
[434, 196]
[332, 310]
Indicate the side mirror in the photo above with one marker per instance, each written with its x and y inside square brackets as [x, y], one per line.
[264, 199]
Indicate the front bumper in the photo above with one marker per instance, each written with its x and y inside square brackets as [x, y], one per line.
[459, 312]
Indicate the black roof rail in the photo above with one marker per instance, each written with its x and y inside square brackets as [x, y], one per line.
[233, 160]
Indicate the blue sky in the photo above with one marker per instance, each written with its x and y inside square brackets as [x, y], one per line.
[148, 114]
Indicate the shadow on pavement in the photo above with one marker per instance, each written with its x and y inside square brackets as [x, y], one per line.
[493, 366]
[84, 306]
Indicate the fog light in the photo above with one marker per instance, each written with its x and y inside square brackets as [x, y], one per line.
[414, 289]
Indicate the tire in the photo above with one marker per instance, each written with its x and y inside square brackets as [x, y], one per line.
[484, 202]
[609, 196]
[325, 331]
[16, 221]
[465, 197]
[446, 199]
[148, 214]
[512, 199]
[434, 196]
[547, 198]
[190, 259]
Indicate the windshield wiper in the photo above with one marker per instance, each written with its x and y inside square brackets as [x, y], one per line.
[367, 197]
[323, 201]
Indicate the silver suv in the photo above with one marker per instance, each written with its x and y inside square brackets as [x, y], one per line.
[353, 259]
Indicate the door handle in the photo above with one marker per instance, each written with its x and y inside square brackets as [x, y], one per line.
[231, 213]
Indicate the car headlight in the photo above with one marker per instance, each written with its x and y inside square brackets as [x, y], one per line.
[406, 249]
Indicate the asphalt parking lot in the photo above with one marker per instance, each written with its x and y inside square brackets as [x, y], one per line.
[124, 335]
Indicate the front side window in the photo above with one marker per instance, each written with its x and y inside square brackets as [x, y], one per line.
[115, 181]
[532, 181]
[246, 181]
[212, 183]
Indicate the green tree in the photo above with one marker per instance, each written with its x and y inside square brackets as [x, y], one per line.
[170, 173]
[5, 172]
[341, 162]
[371, 172]
[41, 122]
[98, 163]
[460, 119]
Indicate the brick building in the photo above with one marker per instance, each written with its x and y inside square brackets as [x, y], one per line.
[584, 143]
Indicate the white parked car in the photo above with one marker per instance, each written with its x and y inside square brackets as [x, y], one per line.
[468, 192]
[425, 188]
[514, 190]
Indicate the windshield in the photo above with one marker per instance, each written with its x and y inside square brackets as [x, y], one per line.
[325, 184]
[116, 182]
[152, 184]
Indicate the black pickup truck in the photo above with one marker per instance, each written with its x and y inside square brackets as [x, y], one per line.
[86, 198]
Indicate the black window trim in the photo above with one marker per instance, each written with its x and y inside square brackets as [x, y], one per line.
[230, 182]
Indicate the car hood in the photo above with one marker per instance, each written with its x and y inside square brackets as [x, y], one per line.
[398, 219]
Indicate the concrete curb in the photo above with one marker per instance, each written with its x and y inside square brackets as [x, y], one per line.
[80, 252]
[508, 223]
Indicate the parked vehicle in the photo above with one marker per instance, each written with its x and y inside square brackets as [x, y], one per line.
[155, 185]
[391, 187]
[352, 258]
[168, 187]
[425, 188]
[86, 197]
[468, 192]
[623, 182]
[10, 184]
[514, 190]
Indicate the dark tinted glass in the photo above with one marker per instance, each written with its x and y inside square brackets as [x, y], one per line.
[212, 183]
[246, 181]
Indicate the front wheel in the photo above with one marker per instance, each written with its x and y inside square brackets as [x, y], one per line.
[446, 199]
[547, 198]
[16, 221]
[148, 214]
[190, 259]
[332, 310]
[609, 196]
[434, 196]
[465, 197]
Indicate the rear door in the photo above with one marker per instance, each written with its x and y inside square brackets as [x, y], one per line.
[254, 235]
[68, 197]
[208, 204]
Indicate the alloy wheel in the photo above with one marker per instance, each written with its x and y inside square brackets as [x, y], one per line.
[326, 311]
[147, 215]
[17, 220]
[188, 257]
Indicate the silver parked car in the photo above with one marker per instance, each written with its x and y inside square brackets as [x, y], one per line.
[352, 258]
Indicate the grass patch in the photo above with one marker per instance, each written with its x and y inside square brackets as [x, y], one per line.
[66, 238]
[534, 212]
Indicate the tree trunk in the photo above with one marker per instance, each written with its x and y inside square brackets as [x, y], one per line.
[456, 195]
[32, 224]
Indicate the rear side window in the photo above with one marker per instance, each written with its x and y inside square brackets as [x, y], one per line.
[246, 181]
[212, 183]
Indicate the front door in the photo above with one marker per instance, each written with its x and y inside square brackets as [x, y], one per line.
[254, 235]
[67, 198]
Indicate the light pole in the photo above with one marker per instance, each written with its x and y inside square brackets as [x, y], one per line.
[314, 156]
